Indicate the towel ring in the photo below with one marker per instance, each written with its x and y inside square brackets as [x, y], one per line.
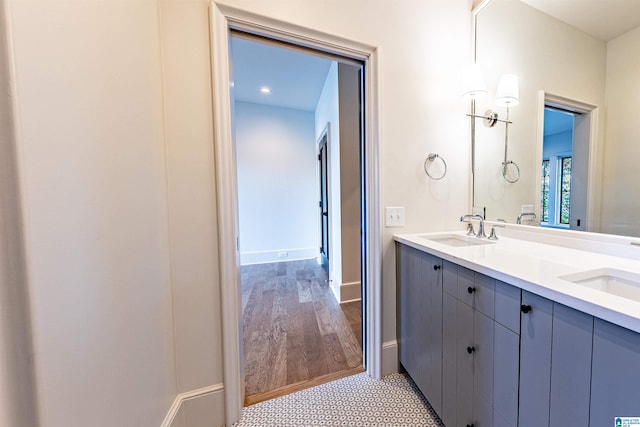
[504, 171]
[431, 158]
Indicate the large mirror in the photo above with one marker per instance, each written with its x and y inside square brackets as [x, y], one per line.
[574, 137]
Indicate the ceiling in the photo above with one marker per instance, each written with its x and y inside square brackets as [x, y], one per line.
[603, 19]
[296, 79]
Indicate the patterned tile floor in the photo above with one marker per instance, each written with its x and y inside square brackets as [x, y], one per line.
[357, 401]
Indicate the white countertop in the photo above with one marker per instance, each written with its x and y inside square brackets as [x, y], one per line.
[535, 267]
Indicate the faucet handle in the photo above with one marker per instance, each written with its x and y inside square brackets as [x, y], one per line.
[470, 230]
[493, 235]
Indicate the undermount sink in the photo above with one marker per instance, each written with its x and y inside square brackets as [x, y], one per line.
[456, 239]
[616, 282]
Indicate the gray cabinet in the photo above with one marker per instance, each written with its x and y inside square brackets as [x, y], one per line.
[480, 355]
[484, 353]
[571, 350]
[535, 361]
[555, 364]
[419, 329]
[615, 384]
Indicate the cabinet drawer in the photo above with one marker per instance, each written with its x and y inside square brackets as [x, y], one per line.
[465, 282]
[477, 291]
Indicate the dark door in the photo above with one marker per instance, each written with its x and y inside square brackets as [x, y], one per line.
[324, 204]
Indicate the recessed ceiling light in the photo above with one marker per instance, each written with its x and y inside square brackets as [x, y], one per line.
[266, 90]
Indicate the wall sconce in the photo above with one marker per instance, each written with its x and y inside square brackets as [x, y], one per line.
[474, 87]
[507, 95]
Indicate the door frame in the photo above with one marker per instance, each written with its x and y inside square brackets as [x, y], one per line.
[324, 136]
[223, 18]
[590, 113]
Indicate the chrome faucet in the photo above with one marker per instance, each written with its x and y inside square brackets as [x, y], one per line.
[480, 233]
[519, 219]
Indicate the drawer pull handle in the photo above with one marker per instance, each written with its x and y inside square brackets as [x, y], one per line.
[471, 349]
[436, 267]
[469, 425]
[525, 308]
[471, 289]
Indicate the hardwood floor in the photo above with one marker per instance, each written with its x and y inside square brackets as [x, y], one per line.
[295, 333]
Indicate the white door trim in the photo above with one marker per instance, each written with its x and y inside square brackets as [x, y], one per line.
[223, 18]
[594, 168]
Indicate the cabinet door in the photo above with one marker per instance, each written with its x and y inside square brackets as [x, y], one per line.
[407, 269]
[571, 367]
[449, 359]
[508, 306]
[431, 307]
[505, 376]
[535, 361]
[464, 365]
[450, 278]
[483, 357]
[615, 377]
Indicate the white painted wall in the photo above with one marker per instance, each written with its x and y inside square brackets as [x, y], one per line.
[94, 209]
[547, 55]
[620, 201]
[192, 208]
[17, 390]
[277, 183]
[338, 106]
[349, 111]
[327, 112]
[116, 169]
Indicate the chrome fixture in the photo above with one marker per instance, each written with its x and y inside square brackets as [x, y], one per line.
[493, 235]
[480, 233]
[431, 157]
[507, 95]
[519, 219]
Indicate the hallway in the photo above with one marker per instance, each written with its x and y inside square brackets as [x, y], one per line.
[295, 333]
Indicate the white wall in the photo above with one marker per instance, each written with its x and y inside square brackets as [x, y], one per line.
[338, 106]
[349, 111]
[277, 183]
[547, 55]
[620, 201]
[94, 202]
[116, 169]
[192, 209]
[17, 389]
[327, 112]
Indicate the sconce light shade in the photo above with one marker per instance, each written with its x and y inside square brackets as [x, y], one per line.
[508, 93]
[474, 86]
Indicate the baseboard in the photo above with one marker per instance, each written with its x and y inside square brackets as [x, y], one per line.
[279, 255]
[389, 358]
[349, 292]
[214, 397]
[345, 292]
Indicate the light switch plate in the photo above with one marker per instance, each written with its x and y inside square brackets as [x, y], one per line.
[394, 216]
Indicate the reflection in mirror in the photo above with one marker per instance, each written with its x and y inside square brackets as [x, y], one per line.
[578, 171]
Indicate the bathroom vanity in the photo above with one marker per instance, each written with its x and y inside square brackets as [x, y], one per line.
[529, 332]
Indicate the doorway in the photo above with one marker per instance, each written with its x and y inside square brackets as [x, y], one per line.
[565, 166]
[223, 19]
[298, 328]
